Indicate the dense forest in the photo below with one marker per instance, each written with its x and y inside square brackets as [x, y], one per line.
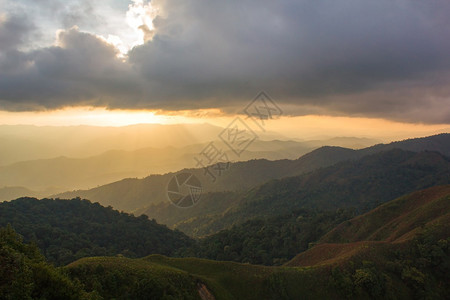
[24, 273]
[66, 230]
[270, 241]
[422, 266]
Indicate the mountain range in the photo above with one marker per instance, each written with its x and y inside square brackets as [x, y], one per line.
[149, 195]
[50, 160]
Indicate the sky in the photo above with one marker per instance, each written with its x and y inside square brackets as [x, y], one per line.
[345, 63]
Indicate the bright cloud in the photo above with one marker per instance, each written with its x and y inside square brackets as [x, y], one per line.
[140, 17]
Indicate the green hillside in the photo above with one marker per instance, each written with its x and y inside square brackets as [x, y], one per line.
[125, 278]
[66, 230]
[407, 238]
[114, 277]
[24, 273]
[418, 269]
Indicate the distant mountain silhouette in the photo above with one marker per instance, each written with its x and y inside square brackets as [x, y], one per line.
[136, 194]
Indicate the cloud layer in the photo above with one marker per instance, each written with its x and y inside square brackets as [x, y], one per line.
[388, 59]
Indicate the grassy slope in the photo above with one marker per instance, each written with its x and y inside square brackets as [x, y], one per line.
[388, 226]
[104, 273]
[225, 280]
[396, 220]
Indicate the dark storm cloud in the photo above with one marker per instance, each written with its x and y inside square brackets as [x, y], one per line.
[81, 70]
[14, 31]
[365, 58]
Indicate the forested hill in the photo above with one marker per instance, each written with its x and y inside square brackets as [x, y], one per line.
[391, 224]
[362, 184]
[66, 230]
[25, 274]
